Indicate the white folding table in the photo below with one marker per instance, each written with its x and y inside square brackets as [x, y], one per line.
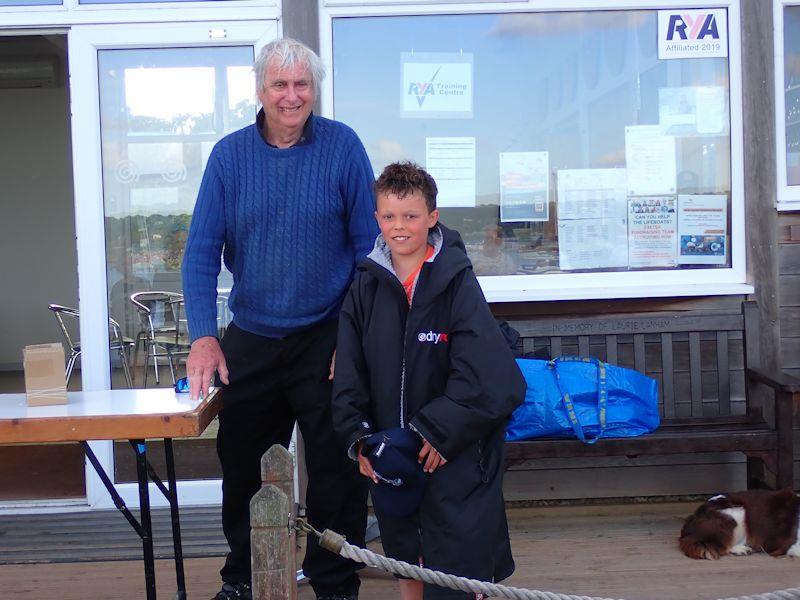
[133, 415]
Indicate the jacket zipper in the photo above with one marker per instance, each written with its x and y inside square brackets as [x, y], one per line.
[403, 372]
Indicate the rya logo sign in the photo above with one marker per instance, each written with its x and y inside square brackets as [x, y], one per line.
[700, 33]
[692, 27]
[422, 89]
[433, 337]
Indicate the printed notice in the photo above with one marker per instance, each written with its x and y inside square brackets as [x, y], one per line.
[451, 162]
[693, 111]
[650, 158]
[699, 33]
[702, 229]
[591, 193]
[592, 243]
[436, 85]
[652, 232]
[524, 186]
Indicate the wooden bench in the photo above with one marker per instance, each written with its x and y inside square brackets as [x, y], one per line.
[712, 390]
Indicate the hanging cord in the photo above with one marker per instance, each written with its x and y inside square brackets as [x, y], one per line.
[336, 543]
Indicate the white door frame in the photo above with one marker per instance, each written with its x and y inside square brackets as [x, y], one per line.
[83, 44]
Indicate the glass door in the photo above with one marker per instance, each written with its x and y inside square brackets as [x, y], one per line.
[149, 103]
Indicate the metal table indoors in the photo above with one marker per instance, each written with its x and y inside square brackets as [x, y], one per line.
[133, 415]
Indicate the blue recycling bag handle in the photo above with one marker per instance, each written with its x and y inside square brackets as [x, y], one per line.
[602, 395]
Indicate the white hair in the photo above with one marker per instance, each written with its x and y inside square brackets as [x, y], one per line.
[286, 53]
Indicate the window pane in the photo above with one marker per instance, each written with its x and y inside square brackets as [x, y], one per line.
[140, 1]
[29, 2]
[162, 110]
[560, 141]
[791, 37]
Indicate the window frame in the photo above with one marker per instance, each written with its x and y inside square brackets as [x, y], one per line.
[788, 197]
[598, 285]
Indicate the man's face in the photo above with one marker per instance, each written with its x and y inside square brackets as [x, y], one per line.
[287, 97]
[404, 222]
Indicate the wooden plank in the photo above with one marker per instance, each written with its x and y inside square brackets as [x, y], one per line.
[638, 353]
[555, 347]
[723, 375]
[668, 380]
[583, 345]
[790, 321]
[789, 259]
[611, 349]
[695, 374]
[628, 324]
[789, 286]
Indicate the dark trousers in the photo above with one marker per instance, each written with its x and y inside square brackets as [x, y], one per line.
[273, 383]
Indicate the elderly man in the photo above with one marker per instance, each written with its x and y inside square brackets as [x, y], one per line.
[288, 203]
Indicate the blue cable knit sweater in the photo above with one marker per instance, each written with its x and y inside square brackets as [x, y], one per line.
[291, 225]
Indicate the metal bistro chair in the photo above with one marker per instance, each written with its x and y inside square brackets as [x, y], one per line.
[161, 334]
[117, 343]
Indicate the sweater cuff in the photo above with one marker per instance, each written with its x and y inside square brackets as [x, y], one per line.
[203, 328]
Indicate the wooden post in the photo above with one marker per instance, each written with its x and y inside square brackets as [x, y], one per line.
[272, 535]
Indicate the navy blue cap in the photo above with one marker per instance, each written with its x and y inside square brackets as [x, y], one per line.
[401, 481]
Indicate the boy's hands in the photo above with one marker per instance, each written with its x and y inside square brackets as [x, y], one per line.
[364, 466]
[433, 460]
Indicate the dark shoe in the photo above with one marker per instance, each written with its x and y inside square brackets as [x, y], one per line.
[336, 597]
[234, 591]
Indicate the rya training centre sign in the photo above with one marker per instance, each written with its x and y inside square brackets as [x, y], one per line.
[693, 33]
[436, 85]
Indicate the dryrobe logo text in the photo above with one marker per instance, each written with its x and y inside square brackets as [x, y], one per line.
[433, 337]
[423, 89]
[687, 33]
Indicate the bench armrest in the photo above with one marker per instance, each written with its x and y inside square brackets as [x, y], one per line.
[777, 380]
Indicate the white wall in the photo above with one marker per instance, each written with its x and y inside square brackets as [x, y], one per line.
[37, 220]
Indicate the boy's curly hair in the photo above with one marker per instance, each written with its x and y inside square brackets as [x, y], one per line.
[407, 177]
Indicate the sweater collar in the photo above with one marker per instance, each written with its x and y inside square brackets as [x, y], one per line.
[305, 138]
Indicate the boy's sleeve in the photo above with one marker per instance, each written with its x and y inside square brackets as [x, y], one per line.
[350, 404]
[485, 384]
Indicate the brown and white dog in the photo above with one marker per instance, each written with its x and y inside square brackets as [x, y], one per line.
[743, 523]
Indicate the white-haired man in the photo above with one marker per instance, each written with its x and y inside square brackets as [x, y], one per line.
[288, 203]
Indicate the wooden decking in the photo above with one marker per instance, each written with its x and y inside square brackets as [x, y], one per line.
[618, 551]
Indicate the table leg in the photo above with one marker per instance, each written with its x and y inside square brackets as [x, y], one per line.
[147, 527]
[176, 523]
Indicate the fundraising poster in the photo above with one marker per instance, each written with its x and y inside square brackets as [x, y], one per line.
[451, 162]
[592, 243]
[591, 193]
[650, 160]
[702, 229]
[524, 186]
[652, 232]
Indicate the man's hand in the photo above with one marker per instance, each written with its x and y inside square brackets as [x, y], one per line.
[364, 466]
[205, 357]
[433, 460]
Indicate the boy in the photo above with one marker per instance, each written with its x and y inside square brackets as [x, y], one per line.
[419, 349]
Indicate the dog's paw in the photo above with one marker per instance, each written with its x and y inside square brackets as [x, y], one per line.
[741, 550]
[794, 551]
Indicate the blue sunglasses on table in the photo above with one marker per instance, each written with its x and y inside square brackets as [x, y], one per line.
[182, 385]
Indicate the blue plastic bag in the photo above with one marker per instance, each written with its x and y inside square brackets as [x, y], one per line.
[585, 398]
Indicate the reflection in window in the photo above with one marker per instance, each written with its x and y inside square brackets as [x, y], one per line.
[161, 112]
[791, 61]
[578, 148]
[30, 2]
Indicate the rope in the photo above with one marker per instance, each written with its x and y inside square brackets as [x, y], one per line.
[336, 543]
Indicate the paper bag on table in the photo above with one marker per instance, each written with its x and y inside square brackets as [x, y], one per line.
[45, 382]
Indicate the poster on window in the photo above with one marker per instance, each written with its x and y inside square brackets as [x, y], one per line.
[591, 193]
[592, 244]
[650, 161]
[687, 33]
[451, 162]
[702, 229]
[652, 232]
[693, 111]
[436, 85]
[524, 186]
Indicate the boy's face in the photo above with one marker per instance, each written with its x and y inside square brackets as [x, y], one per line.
[404, 222]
